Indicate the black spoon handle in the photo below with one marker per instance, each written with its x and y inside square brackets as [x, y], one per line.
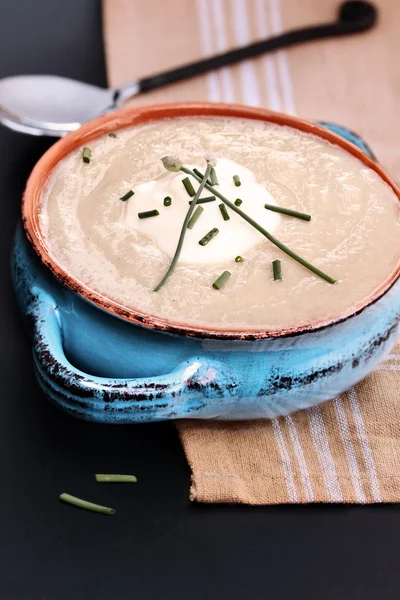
[353, 17]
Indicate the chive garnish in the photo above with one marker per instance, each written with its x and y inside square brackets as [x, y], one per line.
[194, 217]
[127, 196]
[171, 165]
[221, 281]
[239, 259]
[276, 266]
[148, 213]
[112, 134]
[288, 211]
[238, 201]
[167, 201]
[224, 212]
[201, 175]
[204, 200]
[212, 180]
[102, 478]
[208, 237]
[105, 510]
[213, 177]
[86, 154]
[189, 186]
[236, 180]
[264, 232]
[197, 172]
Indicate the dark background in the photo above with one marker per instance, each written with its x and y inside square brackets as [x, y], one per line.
[158, 546]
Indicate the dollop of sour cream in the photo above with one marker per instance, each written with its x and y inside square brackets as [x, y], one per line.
[235, 237]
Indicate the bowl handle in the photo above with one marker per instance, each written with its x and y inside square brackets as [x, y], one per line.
[186, 392]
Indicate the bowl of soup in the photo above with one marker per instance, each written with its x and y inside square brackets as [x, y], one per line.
[206, 261]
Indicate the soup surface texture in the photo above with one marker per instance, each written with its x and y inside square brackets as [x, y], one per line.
[353, 234]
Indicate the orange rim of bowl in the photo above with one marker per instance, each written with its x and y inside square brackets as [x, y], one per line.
[32, 196]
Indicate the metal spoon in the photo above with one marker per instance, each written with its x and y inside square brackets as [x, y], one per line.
[54, 106]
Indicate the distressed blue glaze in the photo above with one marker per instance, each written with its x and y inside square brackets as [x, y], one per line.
[139, 375]
[349, 135]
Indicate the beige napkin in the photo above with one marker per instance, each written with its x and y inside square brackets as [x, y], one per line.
[348, 449]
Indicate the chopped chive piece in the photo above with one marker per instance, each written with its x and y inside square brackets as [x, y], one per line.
[167, 201]
[171, 164]
[266, 233]
[148, 213]
[127, 196]
[189, 186]
[86, 154]
[102, 478]
[276, 266]
[87, 505]
[194, 217]
[288, 211]
[238, 201]
[236, 180]
[200, 174]
[239, 259]
[224, 212]
[213, 177]
[204, 200]
[221, 281]
[209, 236]
[112, 134]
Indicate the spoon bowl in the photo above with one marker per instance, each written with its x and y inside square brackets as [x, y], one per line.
[51, 105]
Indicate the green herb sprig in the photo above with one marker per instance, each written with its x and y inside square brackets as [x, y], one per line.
[105, 510]
[213, 177]
[288, 211]
[148, 213]
[209, 236]
[188, 185]
[263, 231]
[194, 218]
[212, 180]
[126, 196]
[174, 165]
[204, 200]
[114, 478]
[224, 212]
[277, 270]
[221, 281]
[86, 155]
[200, 174]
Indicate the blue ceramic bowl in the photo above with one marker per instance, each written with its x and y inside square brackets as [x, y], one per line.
[102, 362]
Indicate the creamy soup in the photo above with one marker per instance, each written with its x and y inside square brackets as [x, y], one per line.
[118, 249]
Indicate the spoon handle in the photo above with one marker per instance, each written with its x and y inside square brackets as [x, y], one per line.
[353, 17]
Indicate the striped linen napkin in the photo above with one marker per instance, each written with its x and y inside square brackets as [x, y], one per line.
[348, 449]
